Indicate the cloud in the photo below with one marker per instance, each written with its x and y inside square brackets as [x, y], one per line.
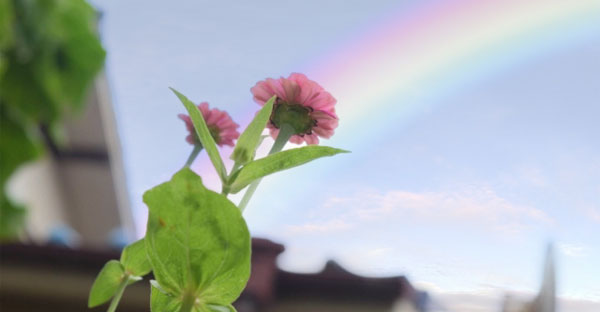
[320, 227]
[572, 250]
[475, 206]
[576, 305]
[488, 300]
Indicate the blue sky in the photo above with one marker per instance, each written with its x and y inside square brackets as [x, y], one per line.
[462, 197]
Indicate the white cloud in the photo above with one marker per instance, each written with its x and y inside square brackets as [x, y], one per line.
[572, 250]
[475, 206]
[576, 305]
[320, 227]
[489, 300]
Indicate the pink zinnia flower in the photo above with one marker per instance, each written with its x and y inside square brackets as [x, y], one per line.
[220, 125]
[301, 103]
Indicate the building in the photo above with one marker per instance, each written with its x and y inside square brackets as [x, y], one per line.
[57, 278]
[79, 183]
[545, 300]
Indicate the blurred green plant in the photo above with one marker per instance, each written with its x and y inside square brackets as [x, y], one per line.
[49, 56]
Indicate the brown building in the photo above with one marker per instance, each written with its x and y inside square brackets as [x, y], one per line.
[52, 278]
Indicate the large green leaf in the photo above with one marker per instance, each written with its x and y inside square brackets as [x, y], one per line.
[106, 284]
[203, 134]
[249, 140]
[135, 260]
[197, 241]
[279, 161]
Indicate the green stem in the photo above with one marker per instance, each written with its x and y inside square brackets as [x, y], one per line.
[188, 303]
[193, 155]
[285, 133]
[249, 192]
[115, 300]
[225, 189]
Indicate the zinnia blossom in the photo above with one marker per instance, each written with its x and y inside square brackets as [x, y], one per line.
[301, 103]
[220, 125]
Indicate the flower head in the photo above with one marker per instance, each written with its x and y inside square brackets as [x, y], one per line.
[220, 125]
[302, 104]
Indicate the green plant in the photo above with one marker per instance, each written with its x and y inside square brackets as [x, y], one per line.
[197, 242]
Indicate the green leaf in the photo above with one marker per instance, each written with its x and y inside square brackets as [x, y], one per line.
[16, 144]
[17, 148]
[203, 134]
[197, 241]
[68, 66]
[134, 264]
[48, 70]
[278, 162]
[106, 284]
[249, 140]
[12, 217]
[6, 27]
[163, 302]
[135, 260]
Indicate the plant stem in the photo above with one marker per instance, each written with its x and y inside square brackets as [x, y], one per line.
[187, 304]
[115, 300]
[285, 133]
[225, 189]
[193, 155]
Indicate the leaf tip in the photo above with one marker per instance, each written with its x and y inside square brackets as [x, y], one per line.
[177, 93]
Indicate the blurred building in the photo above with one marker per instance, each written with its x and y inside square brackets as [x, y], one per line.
[54, 278]
[77, 192]
[545, 300]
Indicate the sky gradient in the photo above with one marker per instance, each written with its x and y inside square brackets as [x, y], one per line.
[460, 173]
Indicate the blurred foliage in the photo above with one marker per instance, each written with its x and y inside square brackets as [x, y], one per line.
[49, 56]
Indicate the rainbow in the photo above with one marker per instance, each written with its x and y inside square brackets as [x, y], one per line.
[431, 49]
[434, 48]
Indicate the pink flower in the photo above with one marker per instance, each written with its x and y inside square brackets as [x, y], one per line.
[301, 103]
[220, 125]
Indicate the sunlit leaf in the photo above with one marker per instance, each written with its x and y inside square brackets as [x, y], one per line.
[197, 241]
[106, 284]
[203, 134]
[163, 302]
[279, 161]
[134, 259]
